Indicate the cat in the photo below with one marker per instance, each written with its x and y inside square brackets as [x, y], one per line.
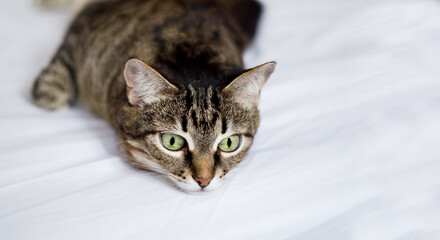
[168, 76]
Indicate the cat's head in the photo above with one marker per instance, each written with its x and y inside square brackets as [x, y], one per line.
[192, 136]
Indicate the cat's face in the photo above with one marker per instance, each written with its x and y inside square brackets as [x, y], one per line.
[192, 136]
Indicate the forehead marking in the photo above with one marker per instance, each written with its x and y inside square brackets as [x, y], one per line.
[194, 117]
[184, 123]
[224, 125]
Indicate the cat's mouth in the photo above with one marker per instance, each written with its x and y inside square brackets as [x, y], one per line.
[191, 185]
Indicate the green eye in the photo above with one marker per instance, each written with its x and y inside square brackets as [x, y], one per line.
[229, 144]
[172, 142]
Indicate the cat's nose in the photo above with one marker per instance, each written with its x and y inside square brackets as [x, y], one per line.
[203, 182]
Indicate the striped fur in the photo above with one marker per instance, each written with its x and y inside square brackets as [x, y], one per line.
[192, 82]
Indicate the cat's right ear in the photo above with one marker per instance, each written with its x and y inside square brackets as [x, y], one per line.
[145, 85]
[246, 88]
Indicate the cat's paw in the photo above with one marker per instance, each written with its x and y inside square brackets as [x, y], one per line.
[53, 90]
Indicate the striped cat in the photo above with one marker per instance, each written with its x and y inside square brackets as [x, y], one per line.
[168, 76]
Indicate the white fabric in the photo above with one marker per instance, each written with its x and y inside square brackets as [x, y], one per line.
[348, 147]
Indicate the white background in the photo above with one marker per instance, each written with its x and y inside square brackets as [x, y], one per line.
[348, 147]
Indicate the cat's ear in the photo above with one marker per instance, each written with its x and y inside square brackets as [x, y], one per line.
[146, 85]
[246, 88]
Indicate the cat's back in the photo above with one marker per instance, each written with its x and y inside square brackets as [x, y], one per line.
[130, 25]
[185, 40]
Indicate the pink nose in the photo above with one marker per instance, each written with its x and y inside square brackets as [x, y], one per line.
[203, 182]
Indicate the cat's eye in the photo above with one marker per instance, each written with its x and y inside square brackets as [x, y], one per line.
[229, 144]
[172, 142]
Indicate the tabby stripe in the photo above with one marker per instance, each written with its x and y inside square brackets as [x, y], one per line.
[56, 85]
[188, 100]
[189, 158]
[215, 101]
[214, 118]
[148, 133]
[224, 125]
[64, 62]
[61, 58]
[131, 146]
[184, 123]
[217, 158]
[248, 135]
[194, 117]
[138, 149]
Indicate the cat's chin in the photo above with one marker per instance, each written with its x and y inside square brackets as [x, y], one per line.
[193, 188]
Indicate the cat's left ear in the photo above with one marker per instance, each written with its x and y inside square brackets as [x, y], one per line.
[146, 85]
[246, 88]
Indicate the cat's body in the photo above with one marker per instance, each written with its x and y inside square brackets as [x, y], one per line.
[193, 49]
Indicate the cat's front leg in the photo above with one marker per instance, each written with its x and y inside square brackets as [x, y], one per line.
[55, 87]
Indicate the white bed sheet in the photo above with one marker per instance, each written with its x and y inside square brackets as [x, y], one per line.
[348, 147]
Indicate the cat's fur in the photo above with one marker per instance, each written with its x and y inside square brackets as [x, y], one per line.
[194, 84]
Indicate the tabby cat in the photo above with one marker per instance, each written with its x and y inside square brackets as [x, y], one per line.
[183, 105]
